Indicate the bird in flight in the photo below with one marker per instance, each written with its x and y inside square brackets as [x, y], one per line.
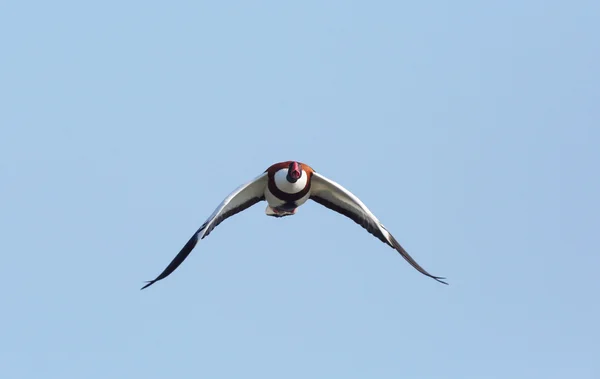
[286, 186]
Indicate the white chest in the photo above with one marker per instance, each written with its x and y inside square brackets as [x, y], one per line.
[284, 185]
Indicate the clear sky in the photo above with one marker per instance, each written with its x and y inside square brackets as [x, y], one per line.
[469, 128]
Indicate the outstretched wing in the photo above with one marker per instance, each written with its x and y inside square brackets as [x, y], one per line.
[242, 198]
[335, 197]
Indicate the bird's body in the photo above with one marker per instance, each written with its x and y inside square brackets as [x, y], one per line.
[282, 195]
[286, 186]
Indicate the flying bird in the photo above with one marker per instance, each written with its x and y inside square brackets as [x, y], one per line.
[286, 186]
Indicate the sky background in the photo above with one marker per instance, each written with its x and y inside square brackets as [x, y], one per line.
[469, 128]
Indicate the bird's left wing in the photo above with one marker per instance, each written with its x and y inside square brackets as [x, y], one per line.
[242, 198]
[335, 197]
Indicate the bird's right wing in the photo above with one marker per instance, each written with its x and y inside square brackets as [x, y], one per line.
[242, 198]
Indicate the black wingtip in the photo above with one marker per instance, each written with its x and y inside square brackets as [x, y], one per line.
[439, 279]
[149, 283]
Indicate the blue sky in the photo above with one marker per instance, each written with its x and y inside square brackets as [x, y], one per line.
[469, 128]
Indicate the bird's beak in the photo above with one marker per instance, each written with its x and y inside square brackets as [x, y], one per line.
[295, 171]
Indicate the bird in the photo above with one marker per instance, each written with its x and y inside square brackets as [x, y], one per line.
[286, 186]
